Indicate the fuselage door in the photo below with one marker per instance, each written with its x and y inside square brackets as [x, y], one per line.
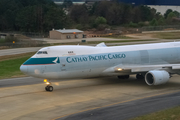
[63, 64]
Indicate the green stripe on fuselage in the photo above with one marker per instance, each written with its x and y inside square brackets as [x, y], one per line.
[39, 61]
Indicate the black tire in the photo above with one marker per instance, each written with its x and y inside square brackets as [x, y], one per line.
[126, 76]
[46, 88]
[123, 77]
[50, 88]
[119, 77]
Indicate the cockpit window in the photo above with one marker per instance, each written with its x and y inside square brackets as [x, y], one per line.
[42, 52]
[39, 52]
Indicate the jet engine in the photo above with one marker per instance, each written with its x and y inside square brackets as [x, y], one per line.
[157, 77]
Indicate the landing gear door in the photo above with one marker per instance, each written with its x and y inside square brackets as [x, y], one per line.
[63, 64]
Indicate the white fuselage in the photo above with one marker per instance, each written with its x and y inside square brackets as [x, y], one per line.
[58, 62]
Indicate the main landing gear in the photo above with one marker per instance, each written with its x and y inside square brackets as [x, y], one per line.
[140, 76]
[123, 77]
[48, 87]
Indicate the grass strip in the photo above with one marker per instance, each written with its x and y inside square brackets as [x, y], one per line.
[119, 37]
[167, 35]
[10, 68]
[8, 57]
[169, 114]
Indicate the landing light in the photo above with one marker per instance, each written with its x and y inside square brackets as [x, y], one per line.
[119, 69]
[45, 80]
[47, 83]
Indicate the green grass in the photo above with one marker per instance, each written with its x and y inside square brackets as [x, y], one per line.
[2, 40]
[10, 68]
[169, 114]
[119, 37]
[168, 35]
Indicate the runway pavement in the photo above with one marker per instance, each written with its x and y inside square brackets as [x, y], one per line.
[128, 109]
[18, 50]
[19, 81]
[26, 99]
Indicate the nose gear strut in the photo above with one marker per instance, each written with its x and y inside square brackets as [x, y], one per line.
[49, 86]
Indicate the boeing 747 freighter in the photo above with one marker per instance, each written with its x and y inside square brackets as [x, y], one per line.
[154, 62]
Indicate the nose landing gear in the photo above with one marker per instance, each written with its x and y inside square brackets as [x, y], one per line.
[48, 87]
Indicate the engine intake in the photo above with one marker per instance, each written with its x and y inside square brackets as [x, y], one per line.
[157, 77]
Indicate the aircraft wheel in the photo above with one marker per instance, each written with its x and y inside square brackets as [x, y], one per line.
[46, 88]
[49, 88]
[123, 77]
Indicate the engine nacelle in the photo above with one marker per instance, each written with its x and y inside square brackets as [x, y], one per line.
[157, 77]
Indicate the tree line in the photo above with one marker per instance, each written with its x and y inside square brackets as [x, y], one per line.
[44, 15]
[31, 15]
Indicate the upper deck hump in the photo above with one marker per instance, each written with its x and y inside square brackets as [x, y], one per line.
[64, 50]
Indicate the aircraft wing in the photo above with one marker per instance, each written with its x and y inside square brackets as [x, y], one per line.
[141, 68]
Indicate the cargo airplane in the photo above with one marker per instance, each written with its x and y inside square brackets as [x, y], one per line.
[153, 62]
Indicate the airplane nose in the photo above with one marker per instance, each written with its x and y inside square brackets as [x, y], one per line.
[24, 69]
